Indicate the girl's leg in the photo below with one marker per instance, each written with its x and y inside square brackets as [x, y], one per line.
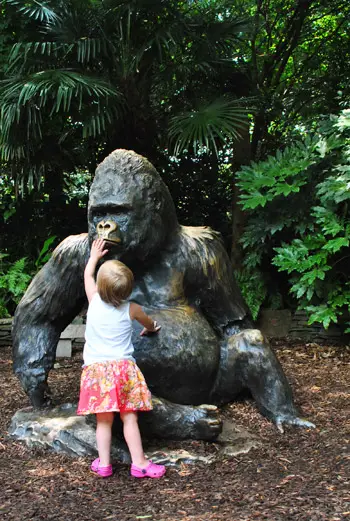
[133, 438]
[104, 436]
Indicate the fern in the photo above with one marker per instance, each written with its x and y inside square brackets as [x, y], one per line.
[14, 280]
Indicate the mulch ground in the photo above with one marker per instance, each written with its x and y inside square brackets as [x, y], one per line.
[299, 475]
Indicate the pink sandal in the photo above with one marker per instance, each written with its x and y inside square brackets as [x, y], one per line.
[151, 471]
[103, 472]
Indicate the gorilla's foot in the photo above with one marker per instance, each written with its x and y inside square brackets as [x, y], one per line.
[286, 419]
[208, 425]
[180, 422]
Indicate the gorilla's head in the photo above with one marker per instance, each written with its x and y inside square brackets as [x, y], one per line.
[130, 207]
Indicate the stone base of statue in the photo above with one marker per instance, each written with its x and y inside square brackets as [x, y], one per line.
[60, 429]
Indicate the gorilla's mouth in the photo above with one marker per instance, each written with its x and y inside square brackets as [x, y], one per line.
[112, 242]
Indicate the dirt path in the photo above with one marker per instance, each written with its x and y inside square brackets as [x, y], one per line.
[300, 475]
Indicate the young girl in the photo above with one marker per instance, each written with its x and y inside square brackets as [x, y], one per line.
[111, 381]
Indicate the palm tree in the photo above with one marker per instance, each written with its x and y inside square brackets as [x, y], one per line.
[116, 73]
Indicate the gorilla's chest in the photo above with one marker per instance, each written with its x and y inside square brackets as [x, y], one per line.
[182, 359]
[160, 288]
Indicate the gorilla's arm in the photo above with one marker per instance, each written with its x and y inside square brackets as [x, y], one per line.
[246, 361]
[210, 282]
[53, 299]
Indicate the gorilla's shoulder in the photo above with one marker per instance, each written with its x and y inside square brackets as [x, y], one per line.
[201, 239]
[72, 248]
[202, 247]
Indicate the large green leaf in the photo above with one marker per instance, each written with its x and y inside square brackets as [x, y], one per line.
[222, 120]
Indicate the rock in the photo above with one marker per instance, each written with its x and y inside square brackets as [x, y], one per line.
[176, 457]
[60, 429]
[235, 440]
[275, 323]
[5, 331]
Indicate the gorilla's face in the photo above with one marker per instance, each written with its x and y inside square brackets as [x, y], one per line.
[130, 207]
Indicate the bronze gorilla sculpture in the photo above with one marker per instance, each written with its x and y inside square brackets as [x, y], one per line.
[206, 351]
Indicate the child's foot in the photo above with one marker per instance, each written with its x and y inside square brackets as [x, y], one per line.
[152, 470]
[103, 472]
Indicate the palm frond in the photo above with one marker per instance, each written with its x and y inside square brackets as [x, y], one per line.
[86, 49]
[36, 10]
[163, 39]
[59, 85]
[25, 100]
[222, 120]
[21, 51]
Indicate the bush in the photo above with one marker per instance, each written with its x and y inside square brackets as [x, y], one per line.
[299, 221]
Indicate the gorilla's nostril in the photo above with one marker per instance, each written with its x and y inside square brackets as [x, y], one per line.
[105, 229]
[106, 226]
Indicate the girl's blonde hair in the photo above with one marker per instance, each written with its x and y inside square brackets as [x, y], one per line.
[114, 282]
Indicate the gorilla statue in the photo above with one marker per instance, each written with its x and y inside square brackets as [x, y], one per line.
[206, 351]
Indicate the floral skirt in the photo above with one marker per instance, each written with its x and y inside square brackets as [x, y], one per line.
[116, 385]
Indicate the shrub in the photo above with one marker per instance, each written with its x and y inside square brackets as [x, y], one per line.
[299, 220]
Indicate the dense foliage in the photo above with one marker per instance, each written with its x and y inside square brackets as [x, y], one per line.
[199, 87]
[299, 220]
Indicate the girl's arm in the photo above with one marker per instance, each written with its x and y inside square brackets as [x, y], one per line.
[96, 253]
[149, 325]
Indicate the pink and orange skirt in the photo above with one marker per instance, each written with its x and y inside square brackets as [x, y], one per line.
[113, 386]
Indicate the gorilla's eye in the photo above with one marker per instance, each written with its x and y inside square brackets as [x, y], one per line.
[98, 215]
[112, 209]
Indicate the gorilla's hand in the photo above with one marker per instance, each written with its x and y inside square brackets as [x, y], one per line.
[292, 420]
[34, 383]
[40, 396]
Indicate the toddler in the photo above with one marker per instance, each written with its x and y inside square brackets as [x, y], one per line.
[111, 381]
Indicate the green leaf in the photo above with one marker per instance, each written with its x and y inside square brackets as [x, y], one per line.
[334, 245]
[222, 120]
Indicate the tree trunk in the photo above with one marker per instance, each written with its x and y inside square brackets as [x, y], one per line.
[54, 187]
[259, 136]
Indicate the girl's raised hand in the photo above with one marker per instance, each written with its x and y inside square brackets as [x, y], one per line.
[98, 249]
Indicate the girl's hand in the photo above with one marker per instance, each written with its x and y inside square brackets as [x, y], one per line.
[146, 331]
[98, 250]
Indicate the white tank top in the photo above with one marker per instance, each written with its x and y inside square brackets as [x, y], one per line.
[108, 332]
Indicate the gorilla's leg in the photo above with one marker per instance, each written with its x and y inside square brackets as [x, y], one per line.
[247, 362]
[178, 422]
